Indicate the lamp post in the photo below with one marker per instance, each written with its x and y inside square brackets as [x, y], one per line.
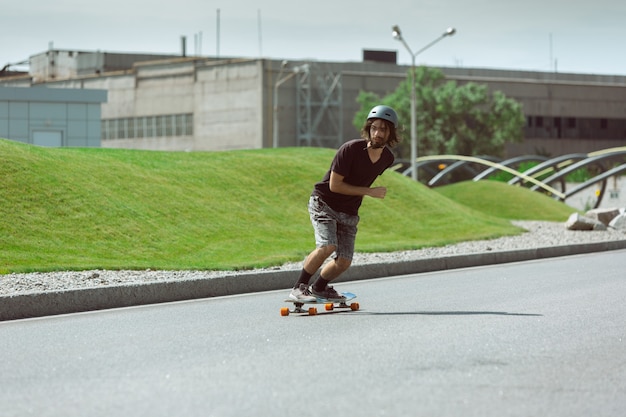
[279, 81]
[397, 34]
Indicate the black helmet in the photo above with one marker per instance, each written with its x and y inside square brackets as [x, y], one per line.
[384, 112]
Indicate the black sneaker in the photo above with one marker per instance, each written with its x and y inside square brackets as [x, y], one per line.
[328, 293]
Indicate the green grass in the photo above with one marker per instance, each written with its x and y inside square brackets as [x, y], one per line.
[87, 208]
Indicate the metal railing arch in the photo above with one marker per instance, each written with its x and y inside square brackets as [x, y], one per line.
[557, 169]
[488, 163]
[508, 163]
[456, 166]
[550, 165]
[592, 181]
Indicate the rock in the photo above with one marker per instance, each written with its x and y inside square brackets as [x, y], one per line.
[603, 215]
[619, 222]
[579, 222]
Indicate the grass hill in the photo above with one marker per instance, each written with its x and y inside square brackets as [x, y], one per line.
[508, 202]
[88, 208]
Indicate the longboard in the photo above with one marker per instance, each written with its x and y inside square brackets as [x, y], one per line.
[329, 305]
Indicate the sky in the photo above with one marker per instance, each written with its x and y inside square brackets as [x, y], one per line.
[537, 35]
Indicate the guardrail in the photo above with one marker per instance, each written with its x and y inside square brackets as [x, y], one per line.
[542, 177]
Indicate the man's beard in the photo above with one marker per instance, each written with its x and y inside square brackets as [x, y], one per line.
[377, 145]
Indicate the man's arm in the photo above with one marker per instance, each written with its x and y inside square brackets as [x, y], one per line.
[337, 185]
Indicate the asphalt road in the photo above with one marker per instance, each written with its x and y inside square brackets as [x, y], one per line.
[540, 338]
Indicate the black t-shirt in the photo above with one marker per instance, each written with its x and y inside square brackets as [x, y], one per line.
[352, 161]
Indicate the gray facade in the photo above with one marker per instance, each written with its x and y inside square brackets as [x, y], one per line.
[57, 64]
[51, 116]
[199, 103]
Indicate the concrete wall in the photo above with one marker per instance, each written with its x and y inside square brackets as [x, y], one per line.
[557, 98]
[229, 106]
[586, 97]
[567, 99]
[52, 65]
[223, 98]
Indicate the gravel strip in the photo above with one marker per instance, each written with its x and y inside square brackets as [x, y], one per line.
[539, 234]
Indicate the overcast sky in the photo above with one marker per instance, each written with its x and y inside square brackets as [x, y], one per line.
[539, 35]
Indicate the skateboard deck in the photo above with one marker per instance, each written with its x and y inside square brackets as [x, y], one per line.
[329, 305]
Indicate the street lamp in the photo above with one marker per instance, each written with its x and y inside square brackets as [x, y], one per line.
[279, 81]
[398, 35]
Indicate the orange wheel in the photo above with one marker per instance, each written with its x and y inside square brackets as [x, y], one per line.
[329, 306]
[312, 311]
[354, 306]
[284, 311]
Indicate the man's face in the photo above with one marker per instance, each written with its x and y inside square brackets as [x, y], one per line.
[379, 134]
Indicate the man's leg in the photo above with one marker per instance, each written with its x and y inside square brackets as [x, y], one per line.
[335, 268]
[325, 231]
[331, 235]
[313, 262]
[346, 235]
[331, 271]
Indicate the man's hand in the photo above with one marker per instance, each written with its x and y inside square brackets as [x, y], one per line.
[337, 185]
[378, 192]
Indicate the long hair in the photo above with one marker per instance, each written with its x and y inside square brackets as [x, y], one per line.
[394, 138]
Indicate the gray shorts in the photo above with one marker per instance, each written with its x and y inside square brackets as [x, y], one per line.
[333, 228]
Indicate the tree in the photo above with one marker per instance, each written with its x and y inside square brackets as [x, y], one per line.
[451, 119]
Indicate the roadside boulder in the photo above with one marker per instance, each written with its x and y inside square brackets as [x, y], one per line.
[619, 222]
[579, 222]
[603, 215]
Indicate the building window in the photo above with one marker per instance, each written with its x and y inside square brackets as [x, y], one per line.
[170, 125]
[149, 127]
[159, 126]
[179, 124]
[121, 129]
[168, 121]
[576, 128]
[139, 126]
[189, 124]
[130, 128]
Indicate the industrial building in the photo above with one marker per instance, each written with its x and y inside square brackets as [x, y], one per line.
[191, 103]
[51, 117]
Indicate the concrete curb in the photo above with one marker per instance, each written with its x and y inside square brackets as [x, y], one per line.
[74, 301]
